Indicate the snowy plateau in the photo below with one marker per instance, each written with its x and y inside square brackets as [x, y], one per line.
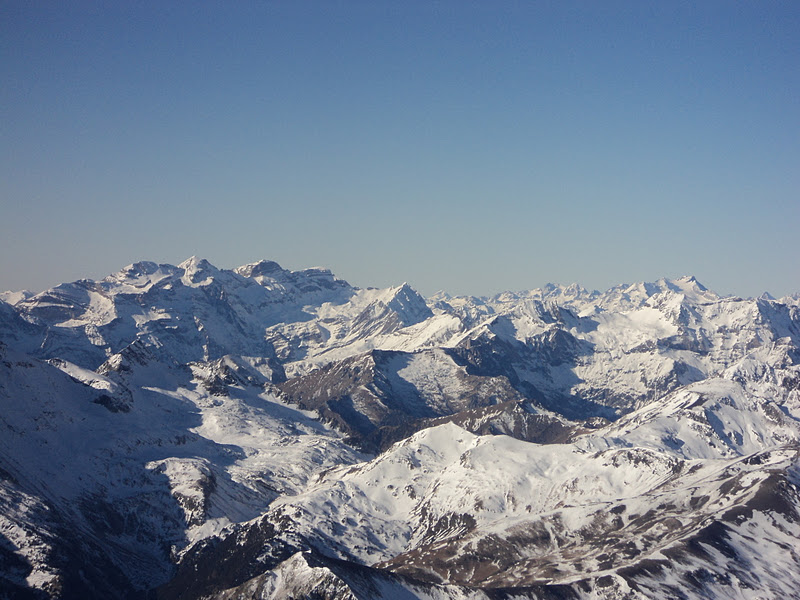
[186, 432]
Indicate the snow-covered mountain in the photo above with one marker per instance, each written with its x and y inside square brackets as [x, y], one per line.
[194, 432]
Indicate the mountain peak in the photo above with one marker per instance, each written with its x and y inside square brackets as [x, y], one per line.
[261, 268]
[408, 304]
[197, 271]
[194, 263]
[404, 288]
[692, 280]
[143, 267]
[15, 297]
[574, 289]
[188, 429]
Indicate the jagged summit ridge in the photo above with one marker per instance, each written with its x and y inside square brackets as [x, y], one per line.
[186, 431]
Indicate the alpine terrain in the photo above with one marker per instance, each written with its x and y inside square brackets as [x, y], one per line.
[186, 432]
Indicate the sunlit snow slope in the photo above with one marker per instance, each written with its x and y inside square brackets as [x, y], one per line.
[186, 432]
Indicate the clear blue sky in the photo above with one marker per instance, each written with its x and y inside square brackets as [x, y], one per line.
[466, 146]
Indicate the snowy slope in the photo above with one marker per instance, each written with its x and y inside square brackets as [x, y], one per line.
[145, 458]
[190, 312]
[629, 345]
[202, 432]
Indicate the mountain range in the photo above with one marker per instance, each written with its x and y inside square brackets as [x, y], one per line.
[187, 432]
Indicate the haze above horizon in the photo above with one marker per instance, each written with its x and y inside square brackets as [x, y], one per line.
[470, 147]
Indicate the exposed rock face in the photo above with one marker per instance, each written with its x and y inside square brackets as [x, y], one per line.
[192, 432]
[381, 389]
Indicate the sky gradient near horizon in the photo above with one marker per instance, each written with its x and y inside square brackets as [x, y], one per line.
[473, 147]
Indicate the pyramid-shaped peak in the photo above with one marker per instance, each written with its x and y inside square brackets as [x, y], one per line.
[408, 304]
[195, 263]
[692, 280]
[406, 292]
[574, 288]
[197, 270]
